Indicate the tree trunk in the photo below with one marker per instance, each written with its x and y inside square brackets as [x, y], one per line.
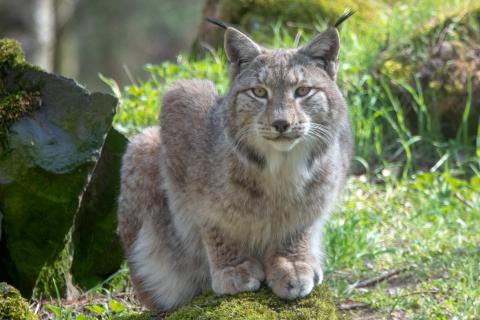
[32, 22]
[208, 35]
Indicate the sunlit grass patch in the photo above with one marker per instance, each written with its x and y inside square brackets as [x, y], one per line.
[426, 227]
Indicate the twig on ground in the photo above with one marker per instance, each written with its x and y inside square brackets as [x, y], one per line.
[375, 280]
[353, 306]
[463, 201]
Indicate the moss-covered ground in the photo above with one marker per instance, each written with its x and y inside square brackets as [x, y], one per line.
[262, 305]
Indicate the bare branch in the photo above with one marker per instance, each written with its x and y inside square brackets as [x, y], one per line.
[378, 279]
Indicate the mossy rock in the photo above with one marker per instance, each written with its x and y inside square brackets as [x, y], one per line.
[12, 305]
[11, 53]
[17, 103]
[261, 305]
[46, 161]
[98, 252]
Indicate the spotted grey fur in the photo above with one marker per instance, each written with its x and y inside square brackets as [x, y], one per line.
[234, 190]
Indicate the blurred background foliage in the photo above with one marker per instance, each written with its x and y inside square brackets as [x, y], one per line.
[409, 70]
[81, 38]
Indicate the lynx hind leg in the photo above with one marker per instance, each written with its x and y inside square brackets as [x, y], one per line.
[166, 274]
[140, 180]
[163, 274]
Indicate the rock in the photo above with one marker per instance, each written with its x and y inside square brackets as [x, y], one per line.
[97, 251]
[12, 305]
[17, 103]
[46, 160]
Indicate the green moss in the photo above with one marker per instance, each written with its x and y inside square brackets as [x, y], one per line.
[258, 306]
[35, 232]
[251, 14]
[12, 305]
[16, 104]
[98, 253]
[11, 53]
[55, 278]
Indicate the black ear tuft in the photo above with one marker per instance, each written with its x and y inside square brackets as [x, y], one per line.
[239, 48]
[347, 14]
[218, 22]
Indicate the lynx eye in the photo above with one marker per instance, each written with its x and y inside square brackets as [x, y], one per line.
[302, 91]
[259, 92]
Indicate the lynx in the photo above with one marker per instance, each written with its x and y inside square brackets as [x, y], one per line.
[232, 191]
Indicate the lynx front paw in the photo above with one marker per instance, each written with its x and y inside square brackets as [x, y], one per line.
[292, 279]
[245, 276]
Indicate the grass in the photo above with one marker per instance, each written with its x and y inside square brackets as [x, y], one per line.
[426, 227]
[410, 214]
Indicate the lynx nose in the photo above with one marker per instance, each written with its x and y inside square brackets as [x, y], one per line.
[281, 125]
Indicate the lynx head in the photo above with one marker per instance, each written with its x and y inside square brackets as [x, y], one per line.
[281, 99]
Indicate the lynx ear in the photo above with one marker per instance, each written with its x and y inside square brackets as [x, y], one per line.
[324, 47]
[239, 48]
